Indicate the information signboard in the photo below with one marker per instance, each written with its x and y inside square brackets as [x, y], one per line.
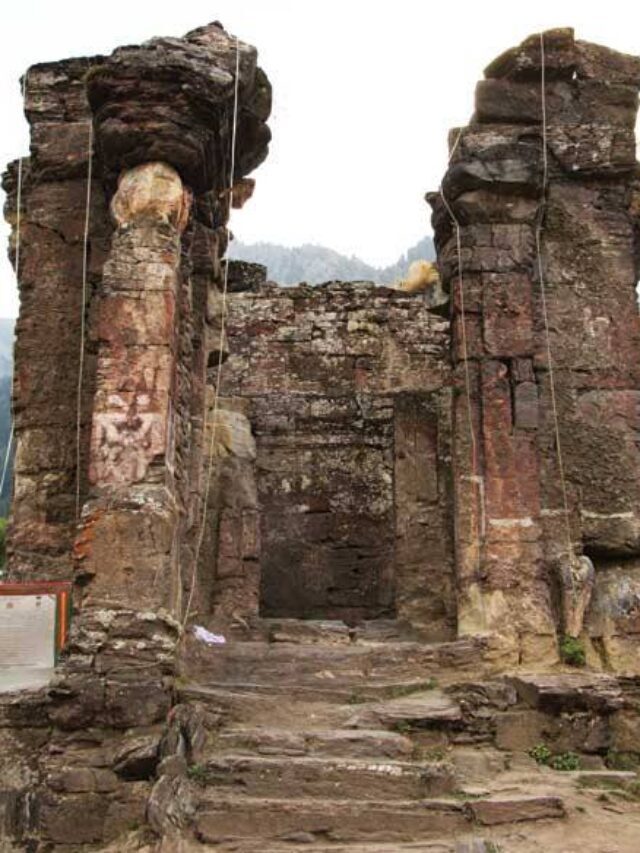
[34, 625]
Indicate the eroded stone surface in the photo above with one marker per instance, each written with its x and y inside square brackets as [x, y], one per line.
[341, 447]
[509, 505]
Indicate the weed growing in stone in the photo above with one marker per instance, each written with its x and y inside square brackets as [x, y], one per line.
[197, 773]
[565, 761]
[540, 753]
[572, 651]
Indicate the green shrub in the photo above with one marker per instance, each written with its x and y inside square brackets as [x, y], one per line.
[565, 761]
[572, 651]
[540, 753]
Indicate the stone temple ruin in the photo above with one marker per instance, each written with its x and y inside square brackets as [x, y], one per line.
[390, 530]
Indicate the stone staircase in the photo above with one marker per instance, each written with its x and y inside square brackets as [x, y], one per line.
[314, 736]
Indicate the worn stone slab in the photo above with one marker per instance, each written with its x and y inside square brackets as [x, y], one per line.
[516, 809]
[327, 777]
[569, 691]
[229, 817]
[420, 711]
[360, 743]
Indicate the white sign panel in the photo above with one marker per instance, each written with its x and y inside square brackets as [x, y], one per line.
[27, 640]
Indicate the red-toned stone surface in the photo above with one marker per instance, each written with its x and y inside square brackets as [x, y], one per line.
[368, 459]
[147, 341]
[590, 266]
[47, 350]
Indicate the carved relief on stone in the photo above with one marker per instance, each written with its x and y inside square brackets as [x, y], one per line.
[132, 418]
[127, 438]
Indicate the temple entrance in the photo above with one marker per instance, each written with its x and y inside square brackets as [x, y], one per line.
[327, 520]
[343, 474]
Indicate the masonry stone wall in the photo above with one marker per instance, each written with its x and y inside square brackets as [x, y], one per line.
[370, 457]
[47, 349]
[80, 758]
[345, 389]
[511, 532]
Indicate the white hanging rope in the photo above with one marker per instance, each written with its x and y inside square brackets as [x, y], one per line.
[7, 456]
[7, 453]
[543, 299]
[19, 200]
[83, 308]
[216, 394]
[476, 477]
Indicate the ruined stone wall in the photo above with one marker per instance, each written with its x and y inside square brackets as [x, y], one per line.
[47, 349]
[345, 389]
[511, 539]
[89, 745]
[161, 156]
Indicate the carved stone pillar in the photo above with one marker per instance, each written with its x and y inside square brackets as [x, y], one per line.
[126, 547]
[513, 545]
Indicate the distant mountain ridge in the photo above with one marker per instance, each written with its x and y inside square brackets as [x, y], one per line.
[314, 264]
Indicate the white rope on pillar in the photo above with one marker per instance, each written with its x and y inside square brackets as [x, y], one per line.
[543, 300]
[7, 454]
[83, 308]
[476, 477]
[223, 317]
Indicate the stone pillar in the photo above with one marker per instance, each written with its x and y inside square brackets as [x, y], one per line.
[512, 547]
[155, 134]
[501, 585]
[100, 724]
[48, 330]
[126, 547]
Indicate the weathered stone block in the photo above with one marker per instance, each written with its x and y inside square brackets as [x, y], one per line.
[128, 320]
[60, 823]
[127, 555]
[142, 704]
[492, 812]
[507, 315]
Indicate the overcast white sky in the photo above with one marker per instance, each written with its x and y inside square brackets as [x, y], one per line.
[364, 93]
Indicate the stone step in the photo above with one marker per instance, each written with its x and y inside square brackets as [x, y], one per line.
[237, 818]
[284, 708]
[347, 692]
[575, 691]
[325, 666]
[300, 843]
[299, 711]
[338, 743]
[323, 631]
[326, 778]
[330, 821]
[232, 694]
[429, 709]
